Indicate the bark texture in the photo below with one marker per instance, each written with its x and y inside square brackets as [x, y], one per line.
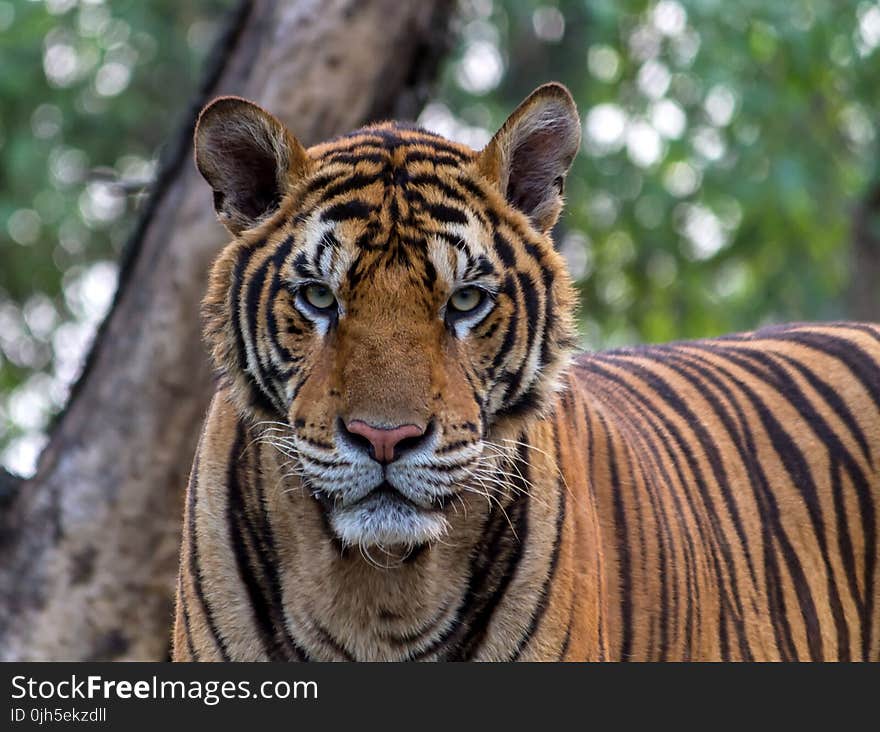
[88, 547]
[863, 298]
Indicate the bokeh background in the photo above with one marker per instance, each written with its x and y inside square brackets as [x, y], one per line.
[727, 178]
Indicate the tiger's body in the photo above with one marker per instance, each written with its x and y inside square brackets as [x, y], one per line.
[405, 462]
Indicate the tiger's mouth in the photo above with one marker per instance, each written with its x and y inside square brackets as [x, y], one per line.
[388, 492]
[436, 503]
[385, 518]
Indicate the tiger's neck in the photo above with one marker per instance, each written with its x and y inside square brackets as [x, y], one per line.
[276, 584]
[464, 597]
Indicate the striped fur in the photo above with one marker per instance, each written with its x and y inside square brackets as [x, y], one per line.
[714, 499]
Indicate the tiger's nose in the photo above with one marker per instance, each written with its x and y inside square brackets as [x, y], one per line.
[384, 444]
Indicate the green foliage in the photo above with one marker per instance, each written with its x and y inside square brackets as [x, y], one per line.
[89, 94]
[725, 147]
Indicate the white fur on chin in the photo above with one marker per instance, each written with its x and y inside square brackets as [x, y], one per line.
[383, 522]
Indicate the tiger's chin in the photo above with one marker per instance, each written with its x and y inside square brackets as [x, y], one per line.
[388, 522]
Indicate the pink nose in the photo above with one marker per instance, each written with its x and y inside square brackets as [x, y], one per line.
[383, 440]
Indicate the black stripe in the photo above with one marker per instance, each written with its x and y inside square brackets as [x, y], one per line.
[398, 135]
[263, 370]
[435, 144]
[494, 564]
[349, 184]
[328, 639]
[347, 210]
[276, 287]
[429, 180]
[444, 214]
[314, 184]
[532, 306]
[504, 250]
[258, 398]
[271, 563]
[544, 597]
[417, 156]
[358, 139]
[282, 252]
[493, 532]
[367, 239]
[649, 443]
[566, 641]
[380, 157]
[483, 609]
[504, 350]
[622, 539]
[251, 533]
[195, 567]
[527, 402]
[663, 542]
[242, 549]
[238, 273]
[418, 635]
[473, 189]
[547, 276]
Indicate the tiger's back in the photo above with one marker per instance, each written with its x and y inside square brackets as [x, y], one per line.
[737, 484]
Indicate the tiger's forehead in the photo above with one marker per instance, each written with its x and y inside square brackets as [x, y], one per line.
[391, 198]
[392, 140]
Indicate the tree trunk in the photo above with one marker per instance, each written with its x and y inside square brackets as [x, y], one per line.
[88, 547]
[863, 298]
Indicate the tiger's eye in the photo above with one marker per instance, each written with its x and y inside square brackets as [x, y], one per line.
[319, 297]
[466, 299]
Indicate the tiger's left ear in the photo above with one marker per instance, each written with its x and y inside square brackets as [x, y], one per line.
[530, 155]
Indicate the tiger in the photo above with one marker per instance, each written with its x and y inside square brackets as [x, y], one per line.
[407, 459]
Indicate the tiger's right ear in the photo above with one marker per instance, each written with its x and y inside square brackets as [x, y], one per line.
[248, 158]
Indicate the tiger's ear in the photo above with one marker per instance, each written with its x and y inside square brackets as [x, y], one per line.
[248, 158]
[530, 155]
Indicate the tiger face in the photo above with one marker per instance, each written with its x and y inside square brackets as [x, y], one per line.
[391, 303]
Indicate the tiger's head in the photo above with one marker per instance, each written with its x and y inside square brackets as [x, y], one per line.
[391, 303]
